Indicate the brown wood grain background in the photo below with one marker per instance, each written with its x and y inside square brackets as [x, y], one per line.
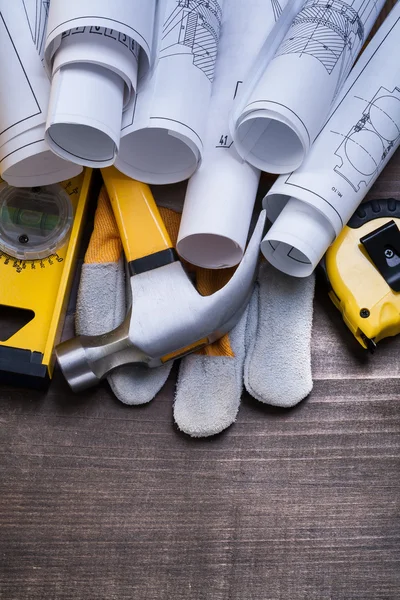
[102, 501]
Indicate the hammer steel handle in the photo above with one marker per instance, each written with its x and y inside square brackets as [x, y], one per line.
[139, 222]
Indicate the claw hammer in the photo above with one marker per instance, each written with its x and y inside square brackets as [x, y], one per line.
[168, 318]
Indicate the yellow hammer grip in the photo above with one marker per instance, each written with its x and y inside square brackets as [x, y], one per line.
[139, 222]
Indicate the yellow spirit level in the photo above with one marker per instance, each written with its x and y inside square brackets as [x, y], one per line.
[36, 290]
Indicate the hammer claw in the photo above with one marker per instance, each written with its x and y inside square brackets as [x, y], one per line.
[168, 317]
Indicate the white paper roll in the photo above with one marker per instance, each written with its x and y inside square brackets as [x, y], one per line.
[220, 195]
[159, 155]
[293, 96]
[85, 112]
[92, 52]
[163, 134]
[298, 239]
[24, 86]
[27, 161]
[25, 158]
[217, 212]
[359, 138]
[112, 51]
[132, 18]
[290, 139]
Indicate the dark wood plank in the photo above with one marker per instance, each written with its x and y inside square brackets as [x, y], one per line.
[102, 501]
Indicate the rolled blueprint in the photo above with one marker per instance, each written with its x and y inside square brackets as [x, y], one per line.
[92, 53]
[25, 158]
[283, 114]
[220, 195]
[310, 207]
[163, 132]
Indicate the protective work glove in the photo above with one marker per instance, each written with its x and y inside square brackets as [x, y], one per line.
[268, 351]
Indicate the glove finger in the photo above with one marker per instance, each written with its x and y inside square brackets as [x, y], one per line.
[102, 303]
[209, 388]
[136, 384]
[101, 295]
[277, 368]
[101, 308]
[101, 298]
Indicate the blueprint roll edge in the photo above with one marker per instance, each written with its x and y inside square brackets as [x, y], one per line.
[311, 206]
[163, 131]
[25, 158]
[294, 94]
[221, 194]
[92, 54]
[27, 161]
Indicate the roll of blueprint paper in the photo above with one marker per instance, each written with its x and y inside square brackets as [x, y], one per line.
[220, 196]
[311, 206]
[25, 158]
[92, 52]
[163, 132]
[27, 161]
[292, 98]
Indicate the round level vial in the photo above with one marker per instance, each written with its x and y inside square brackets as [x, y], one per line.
[34, 222]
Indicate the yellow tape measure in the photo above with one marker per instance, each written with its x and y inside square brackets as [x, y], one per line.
[363, 270]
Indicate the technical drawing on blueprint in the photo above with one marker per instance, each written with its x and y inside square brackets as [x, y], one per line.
[367, 144]
[194, 28]
[289, 252]
[110, 34]
[37, 12]
[332, 31]
[277, 8]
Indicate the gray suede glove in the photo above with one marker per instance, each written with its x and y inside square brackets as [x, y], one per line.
[270, 346]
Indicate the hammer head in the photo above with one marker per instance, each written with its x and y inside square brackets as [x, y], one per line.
[169, 319]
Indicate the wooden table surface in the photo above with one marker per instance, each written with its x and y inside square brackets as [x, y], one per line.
[103, 501]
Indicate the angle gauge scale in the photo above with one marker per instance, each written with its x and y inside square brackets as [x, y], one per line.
[40, 229]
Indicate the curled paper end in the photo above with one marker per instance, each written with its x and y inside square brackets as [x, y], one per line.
[103, 49]
[80, 126]
[40, 169]
[298, 239]
[270, 142]
[123, 21]
[210, 251]
[217, 212]
[26, 161]
[157, 156]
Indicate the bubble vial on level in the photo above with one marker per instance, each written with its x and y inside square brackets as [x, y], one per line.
[34, 222]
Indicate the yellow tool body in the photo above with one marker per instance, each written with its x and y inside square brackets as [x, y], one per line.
[363, 269]
[145, 239]
[140, 225]
[41, 288]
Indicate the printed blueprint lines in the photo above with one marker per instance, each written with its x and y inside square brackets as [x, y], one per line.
[289, 252]
[37, 12]
[367, 144]
[332, 31]
[277, 8]
[194, 28]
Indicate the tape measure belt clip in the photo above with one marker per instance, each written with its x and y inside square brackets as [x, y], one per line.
[383, 248]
